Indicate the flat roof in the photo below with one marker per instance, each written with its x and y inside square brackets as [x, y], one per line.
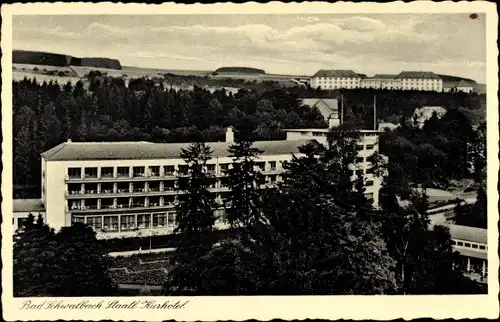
[471, 253]
[74, 151]
[28, 205]
[472, 234]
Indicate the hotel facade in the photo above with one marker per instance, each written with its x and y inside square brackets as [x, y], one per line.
[129, 189]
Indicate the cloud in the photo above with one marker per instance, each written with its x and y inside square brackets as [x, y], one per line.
[299, 43]
[309, 19]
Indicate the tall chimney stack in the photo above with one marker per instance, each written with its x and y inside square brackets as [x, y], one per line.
[229, 135]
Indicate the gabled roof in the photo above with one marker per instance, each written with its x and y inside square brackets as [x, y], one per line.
[328, 107]
[417, 75]
[28, 205]
[336, 73]
[72, 151]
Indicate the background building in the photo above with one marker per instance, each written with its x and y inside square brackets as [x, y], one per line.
[420, 81]
[332, 79]
[22, 208]
[328, 108]
[381, 81]
[471, 244]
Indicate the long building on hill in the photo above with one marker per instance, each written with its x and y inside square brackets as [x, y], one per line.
[406, 80]
[128, 189]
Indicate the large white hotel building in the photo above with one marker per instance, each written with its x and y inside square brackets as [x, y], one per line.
[127, 189]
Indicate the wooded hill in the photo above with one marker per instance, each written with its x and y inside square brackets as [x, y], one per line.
[239, 70]
[52, 59]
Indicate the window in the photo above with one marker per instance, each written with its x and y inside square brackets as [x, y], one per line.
[138, 172]
[123, 171]
[453, 242]
[127, 222]
[360, 147]
[460, 244]
[154, 171]
[211, 168]
[272, 179]
[369, 183]
[90, 172]
[21, 222]
[107, 172]
[75, 173]
[171, 218]
[159, 220]
[143, 221]
[272, 165]
[467, 245]
[317, 133]
[74, 189]
[78, 219]
[370, 146]
[359, 172]
[224, 167]
[95, 223]
[110, 223]
[474, 246]
[183, 169]
[360, 160]
[169, 170]
[482, 247]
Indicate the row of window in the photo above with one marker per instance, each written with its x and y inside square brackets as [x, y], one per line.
[154, 171]
[339, 78]
[110, 223]
[136, 202]
[156, 186]
[468, 245]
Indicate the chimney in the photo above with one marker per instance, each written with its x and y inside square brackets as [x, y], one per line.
[333, 122]
[229, 135]
[69, 140]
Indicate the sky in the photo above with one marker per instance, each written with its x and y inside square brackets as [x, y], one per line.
[452, 44]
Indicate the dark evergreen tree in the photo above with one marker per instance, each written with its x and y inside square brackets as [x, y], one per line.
[82, 264]
[195, 219]
[245, 180]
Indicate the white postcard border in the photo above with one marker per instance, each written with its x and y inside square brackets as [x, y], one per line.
[261, 307]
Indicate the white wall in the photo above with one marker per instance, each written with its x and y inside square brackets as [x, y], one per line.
[56, 172]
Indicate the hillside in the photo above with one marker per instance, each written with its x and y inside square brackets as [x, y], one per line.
[39, 58]
[239, 70]
[449, 78]
[53, 59]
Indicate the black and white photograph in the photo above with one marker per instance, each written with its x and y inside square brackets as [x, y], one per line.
[252, 154]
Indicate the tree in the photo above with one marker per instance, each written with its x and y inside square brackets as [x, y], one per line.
[69, 263]
[316, 242]
[475, 215]
[34, 252]
[82, 263]
[195, 219]
[244, 180]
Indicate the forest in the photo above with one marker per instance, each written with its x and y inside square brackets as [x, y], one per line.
[47, 114]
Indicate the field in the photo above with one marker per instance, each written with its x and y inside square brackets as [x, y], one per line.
[30, 67]
[135, 72]
[20, 75]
